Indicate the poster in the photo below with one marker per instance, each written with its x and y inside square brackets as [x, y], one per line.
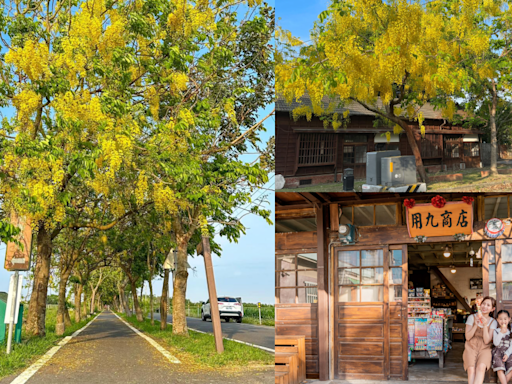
[17, 259]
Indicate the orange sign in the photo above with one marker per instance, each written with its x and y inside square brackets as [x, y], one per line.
[427, 220]
[17, 259]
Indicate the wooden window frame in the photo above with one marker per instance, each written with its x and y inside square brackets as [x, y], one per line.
[296, 270]
[471, 145]
[312, 140]
[374, 224]
[360, 267]
[495, 197]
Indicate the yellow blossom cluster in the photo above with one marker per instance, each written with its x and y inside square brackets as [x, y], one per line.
[229, 108]
[141, 188]
[303, 110]
[178, 82]
[26, 103]
[33, 59]
[153, 99]
[189, 19]
[187, 117]
[164, 198]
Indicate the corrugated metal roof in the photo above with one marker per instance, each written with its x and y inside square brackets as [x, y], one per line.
[354, 107]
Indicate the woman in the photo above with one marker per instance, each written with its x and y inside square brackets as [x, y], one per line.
[477, 350]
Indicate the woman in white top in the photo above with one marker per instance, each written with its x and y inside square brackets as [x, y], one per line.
[479, 332]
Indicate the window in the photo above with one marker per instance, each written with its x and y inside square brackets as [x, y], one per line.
[451, 146]
[496, 207]
[355, 138]
[395, 275]
[506, 271]
[296, 278]
[317, 148]
[471, 149]
[360, 276]
[369, 215]
[354, 154]
[348, 154]
[361, 154]
[492, 271]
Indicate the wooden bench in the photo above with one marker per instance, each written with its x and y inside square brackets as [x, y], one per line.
[294, 344]
[282, 378]
[289, 363]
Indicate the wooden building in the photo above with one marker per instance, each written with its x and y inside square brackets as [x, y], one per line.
[357, 328]
[308, 153]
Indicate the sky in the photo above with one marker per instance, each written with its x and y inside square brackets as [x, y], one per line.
[298, 16]
[245, 269]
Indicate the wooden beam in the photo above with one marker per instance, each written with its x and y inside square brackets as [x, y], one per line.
[496, 206]
[279, 201]
[324, 196]
[310, 197]
[452, 288]
[333, 215]
[322, 217]
[291, 214]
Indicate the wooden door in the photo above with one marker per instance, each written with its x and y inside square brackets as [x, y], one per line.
[369, 342]
[354, 156]
[398, 293]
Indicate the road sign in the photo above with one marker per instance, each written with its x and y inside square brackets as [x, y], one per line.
[14, 297]
[17, 259]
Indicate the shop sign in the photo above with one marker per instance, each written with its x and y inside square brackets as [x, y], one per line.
[426, 220]
[494, 228]
[17, 259]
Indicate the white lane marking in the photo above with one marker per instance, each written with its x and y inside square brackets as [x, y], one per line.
[30, 371]
[236, 341]
[161, 349]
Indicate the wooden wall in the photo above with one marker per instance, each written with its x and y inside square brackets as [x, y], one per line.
[301, 319]
[287, 143]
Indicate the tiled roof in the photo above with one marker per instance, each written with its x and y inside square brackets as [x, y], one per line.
[354, 107]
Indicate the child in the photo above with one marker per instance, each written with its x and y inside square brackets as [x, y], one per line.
[501, 359]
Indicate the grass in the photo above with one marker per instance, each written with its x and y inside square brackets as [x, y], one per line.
[31, 348]
[472, 181]
[327, 187]
[198, 350]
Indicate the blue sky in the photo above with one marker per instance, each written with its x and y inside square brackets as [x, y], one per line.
[245, 269]
[298, 16]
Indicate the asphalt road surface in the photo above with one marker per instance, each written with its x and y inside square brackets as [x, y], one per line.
[254, 334]
[110, 352]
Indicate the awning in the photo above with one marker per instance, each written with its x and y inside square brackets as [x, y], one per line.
[470, 139]
[381, 138]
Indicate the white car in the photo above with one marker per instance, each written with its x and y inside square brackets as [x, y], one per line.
[229, 308]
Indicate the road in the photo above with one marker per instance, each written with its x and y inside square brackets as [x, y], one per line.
[254, 334]
[109, 352]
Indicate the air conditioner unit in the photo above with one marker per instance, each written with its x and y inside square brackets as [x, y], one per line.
[347, 234]
[398, 170]
[373, 168]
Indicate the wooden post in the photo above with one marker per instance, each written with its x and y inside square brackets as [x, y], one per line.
[322, 220]
[212, 292]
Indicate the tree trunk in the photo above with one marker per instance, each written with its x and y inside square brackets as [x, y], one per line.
[415, 150]
[164, 300]
[67, 318]
[142, 296]
[492, 123]
[124, 300]
[138, 310]
[37, 307]
[78, 300]
[179, 319]
[61, 307]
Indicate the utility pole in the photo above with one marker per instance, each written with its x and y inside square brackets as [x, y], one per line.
[13, 301]
[212, 291]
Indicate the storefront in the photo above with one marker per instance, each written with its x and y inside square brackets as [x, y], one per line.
[381, 288]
